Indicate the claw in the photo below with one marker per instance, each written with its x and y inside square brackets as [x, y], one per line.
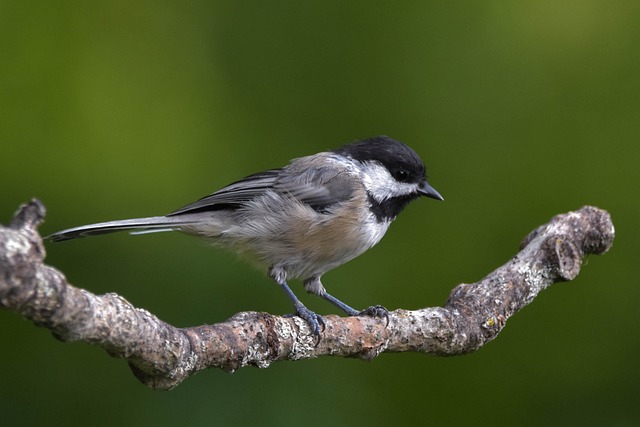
[375, 311]
[315, 321]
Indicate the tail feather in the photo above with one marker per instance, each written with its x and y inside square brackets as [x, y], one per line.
[150, 224]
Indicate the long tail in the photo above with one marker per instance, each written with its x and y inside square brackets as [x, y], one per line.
[154, 223]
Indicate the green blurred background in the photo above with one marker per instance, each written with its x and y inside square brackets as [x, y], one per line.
[522, 110]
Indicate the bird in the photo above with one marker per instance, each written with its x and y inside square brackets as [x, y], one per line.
[301, 220]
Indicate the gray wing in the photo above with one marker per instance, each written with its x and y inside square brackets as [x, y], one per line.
[310, 181]
[234, 195]
[319, 187]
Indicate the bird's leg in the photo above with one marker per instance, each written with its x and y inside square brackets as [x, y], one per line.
[314, 286]
[315, 321]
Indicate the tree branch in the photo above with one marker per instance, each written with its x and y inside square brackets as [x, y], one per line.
[162, 356]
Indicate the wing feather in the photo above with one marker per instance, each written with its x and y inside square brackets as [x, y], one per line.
[317, 185]
[235, 194]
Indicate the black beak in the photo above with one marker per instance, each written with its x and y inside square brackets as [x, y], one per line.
[426, 190]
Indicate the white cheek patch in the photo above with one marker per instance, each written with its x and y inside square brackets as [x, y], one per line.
[381, 185]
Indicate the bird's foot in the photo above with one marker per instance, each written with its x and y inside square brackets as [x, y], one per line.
[375, 311]
[315, 321]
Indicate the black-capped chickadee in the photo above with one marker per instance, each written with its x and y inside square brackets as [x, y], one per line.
[304, 219]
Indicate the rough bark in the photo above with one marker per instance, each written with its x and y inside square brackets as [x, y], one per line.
[161, 356]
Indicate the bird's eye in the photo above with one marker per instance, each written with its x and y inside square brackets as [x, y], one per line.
[401, 175]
